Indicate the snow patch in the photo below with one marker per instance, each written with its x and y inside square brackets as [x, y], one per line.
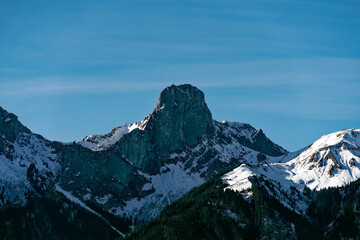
[87, 197]
[238, 179]
[147, 186]
[104, 199]
[28, 149]
[100, 142]
[168, 187]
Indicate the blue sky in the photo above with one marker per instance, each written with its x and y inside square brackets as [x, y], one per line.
[73, 68]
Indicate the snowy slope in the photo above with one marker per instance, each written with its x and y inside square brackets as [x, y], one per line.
[184, 170]
[101, 142]
[234, 130]
[240, 129]
[168, 186]
[191, 167]
[28, 164]
[331, 161]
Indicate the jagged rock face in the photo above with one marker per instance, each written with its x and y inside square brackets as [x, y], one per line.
[180, 117]
[10, 128]
[91, 175]
[264, 145]
[28, 162]
[251, 138]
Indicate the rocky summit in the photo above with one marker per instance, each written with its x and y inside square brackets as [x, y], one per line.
[180, 118]
[10, 127]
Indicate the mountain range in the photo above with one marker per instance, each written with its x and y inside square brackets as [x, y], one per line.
[151, 177]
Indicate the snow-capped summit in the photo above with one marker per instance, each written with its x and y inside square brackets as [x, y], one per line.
[349, 137]
[331, 161]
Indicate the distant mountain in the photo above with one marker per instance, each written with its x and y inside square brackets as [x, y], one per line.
[331, 161]
[136, 170]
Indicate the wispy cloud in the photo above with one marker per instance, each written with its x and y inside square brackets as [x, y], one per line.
[294, 72]
[55, 85]
[322, 88]
[332, 74]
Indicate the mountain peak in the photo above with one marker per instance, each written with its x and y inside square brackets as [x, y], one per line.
[184, 93]
[10, 126]
[331, 161]
[349, 136]
[181, 115]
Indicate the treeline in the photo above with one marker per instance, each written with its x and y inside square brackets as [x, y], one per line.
[52, 217]
[336, 211]
[206, 212]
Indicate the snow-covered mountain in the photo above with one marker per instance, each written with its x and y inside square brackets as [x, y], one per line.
[331, 161]
[175, 148]
[134, 170]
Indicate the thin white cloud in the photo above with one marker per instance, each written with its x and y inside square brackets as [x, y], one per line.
[329, 73]
[323, 88]
[54, 85]
[295, 72]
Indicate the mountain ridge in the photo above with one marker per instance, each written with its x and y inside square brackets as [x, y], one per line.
[179, 138]
[136, 170]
